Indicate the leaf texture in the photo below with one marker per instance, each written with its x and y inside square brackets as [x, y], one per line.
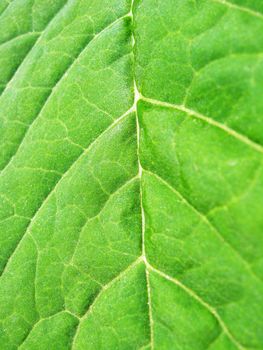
[131, 181]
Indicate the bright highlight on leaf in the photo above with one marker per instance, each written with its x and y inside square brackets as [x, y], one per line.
[131, 178]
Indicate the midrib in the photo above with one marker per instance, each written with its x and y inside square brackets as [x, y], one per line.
[140, 170]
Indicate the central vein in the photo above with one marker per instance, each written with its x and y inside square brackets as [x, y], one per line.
[140, 170]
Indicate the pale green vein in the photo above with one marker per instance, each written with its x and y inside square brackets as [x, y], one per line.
[147, 346]
[240, 8]
[235, 199]
[26, 56]
[35, 273]
[20, 37]
[136, 99]
[112, 195]
[56, 86]
[219, 60]
[200, 300]
[103, 289]
[143, 237]
[48, 171]
[44, 319]
[242, 138]
[208, 222]
[7, 6]
[82, 154]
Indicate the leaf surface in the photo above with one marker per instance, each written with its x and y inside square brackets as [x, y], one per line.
[131, 183]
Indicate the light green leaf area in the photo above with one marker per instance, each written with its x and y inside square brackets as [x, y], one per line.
[131, 177]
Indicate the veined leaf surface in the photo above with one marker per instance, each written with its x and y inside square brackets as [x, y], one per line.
[131, 183]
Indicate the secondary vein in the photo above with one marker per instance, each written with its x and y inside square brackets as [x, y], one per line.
[201, 301]
[197, 115]
[83, 153]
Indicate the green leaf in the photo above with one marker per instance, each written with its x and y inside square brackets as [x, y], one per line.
[131, 182]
